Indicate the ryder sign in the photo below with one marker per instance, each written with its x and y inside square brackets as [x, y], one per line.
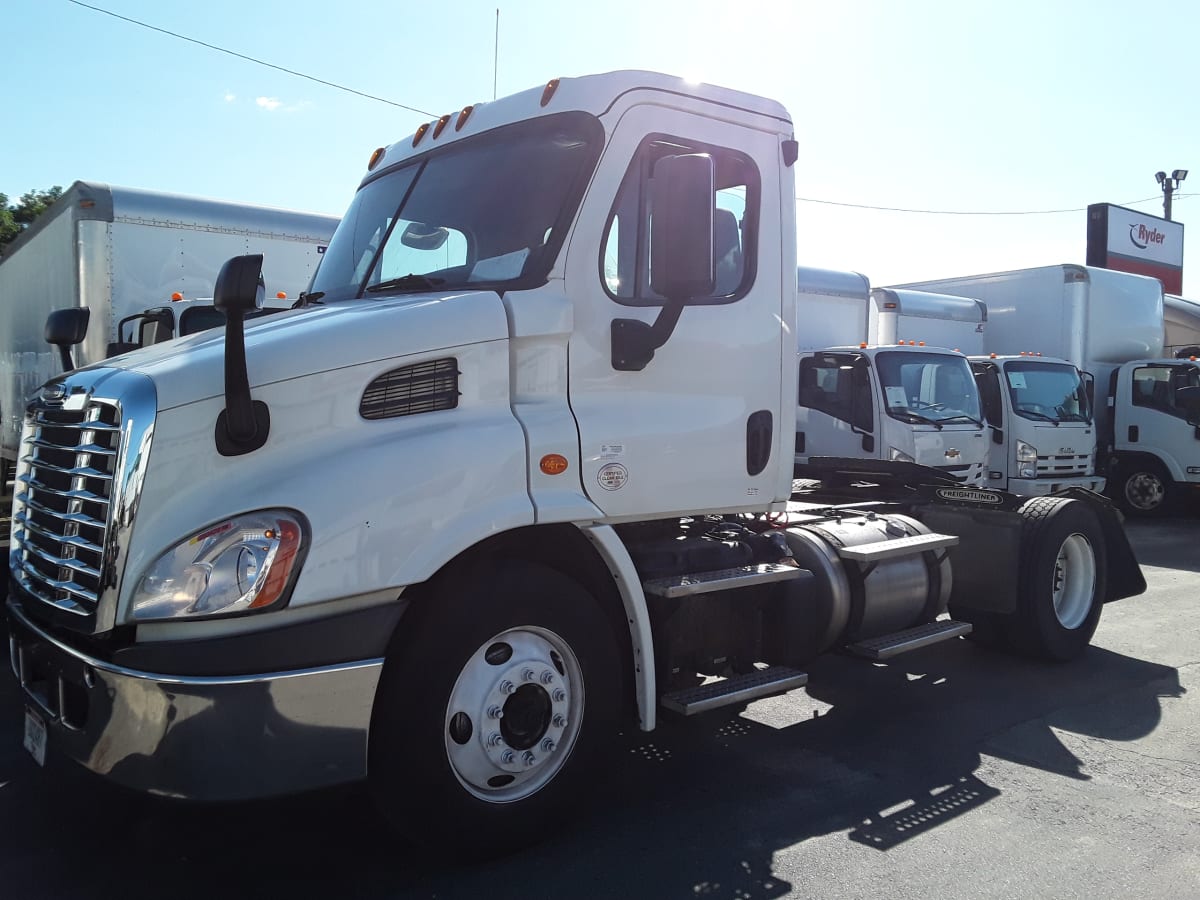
[1131, 241]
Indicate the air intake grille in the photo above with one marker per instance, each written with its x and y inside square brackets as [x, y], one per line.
[61, 504]
[424, 387]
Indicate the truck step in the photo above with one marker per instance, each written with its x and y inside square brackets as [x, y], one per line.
[722, 579]
[736, 689]
[890, 645]
[908, 546]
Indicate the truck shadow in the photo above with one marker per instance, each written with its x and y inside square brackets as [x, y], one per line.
[885, 753]
[1166, 543]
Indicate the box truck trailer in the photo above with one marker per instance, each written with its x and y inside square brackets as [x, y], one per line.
[522, 480]
[1181, 326]
[1111, 325]
[118, 251]
[863, 392]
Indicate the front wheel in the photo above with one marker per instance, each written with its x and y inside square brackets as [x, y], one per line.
[1143, 489]
[497, 702]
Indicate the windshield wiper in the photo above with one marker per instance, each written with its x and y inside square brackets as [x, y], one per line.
[409, 282]
[306, 298]
[914, 417]
[978, 423]
[1038, 415]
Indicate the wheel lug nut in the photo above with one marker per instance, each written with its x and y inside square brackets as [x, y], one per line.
[495, 740]
[548, 745]
[560, 721]
[507, 687]
[507, 756]
[528, 758]
[529, 674]
[547, 677]
[495, 712]
[559, 695]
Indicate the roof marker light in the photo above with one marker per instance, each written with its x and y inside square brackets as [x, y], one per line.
[281, 295]
[551, 87]
[891, 305]
[176, 297]
[441, 125]
[463, 115]
[375, 158]
[863, 346]
[420, 133]
[993, 356]
[920, 343]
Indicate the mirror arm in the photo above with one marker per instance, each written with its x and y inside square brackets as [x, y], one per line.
[634, 341]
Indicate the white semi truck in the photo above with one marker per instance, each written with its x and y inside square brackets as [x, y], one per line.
[518, 478]
[1111, 325]
[118, 251]
[863, 392]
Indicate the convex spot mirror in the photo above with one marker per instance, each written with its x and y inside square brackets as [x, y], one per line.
[239, 286]
[423, 237]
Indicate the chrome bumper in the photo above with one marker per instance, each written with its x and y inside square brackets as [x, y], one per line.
[198, 738]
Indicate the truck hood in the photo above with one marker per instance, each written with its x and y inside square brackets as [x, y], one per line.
[319, 339]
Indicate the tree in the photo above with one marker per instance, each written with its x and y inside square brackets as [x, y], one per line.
[16, 217]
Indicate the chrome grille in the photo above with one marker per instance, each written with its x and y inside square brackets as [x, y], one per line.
[62, 500]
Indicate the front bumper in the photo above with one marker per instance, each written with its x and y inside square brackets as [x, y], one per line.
[209, 738]
[1041, 487]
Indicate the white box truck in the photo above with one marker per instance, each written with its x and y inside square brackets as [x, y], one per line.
[523, 479]
[1111, 325]
[118, 251]
[864, 392]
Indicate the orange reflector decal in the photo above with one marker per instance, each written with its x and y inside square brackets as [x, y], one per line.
[554, 464]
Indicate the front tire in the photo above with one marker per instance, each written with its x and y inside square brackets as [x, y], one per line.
[1063, 579]
[498, 699]
[1143, 488]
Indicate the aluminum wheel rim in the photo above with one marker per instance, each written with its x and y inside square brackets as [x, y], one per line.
[1144, 491]
[531, 676]
[1074, 581]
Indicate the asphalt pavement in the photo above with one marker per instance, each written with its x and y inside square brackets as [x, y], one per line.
[948, 772]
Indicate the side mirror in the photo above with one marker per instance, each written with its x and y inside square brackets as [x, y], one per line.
[681, 254]
[64, 329]
[243, 425]
[423, 237]
[681, 226]
[1189, 398]
[239, 286]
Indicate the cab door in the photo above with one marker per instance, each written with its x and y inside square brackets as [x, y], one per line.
[696, 428]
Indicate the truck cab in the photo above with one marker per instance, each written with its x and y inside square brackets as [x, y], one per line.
[1152, 429]
[1038, 410]
[884, 397]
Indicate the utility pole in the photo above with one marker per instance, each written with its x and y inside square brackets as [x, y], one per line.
[496, 56]
[1169, 184]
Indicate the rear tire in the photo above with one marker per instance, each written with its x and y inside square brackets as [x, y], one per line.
[500, 694]
[1062, 579]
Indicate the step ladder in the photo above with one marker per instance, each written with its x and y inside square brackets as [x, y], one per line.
[889, 645]
[735, 689]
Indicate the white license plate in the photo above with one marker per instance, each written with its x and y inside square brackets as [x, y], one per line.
[35, 736]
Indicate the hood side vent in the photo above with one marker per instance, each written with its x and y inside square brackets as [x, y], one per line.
[421, 388]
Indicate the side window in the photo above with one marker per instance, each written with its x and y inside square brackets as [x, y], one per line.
[1152, 387]
[827, 385]
[625, 257]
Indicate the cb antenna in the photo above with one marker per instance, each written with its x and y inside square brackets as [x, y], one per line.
[496, 54]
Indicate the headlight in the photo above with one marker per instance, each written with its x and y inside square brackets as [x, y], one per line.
[243, 564]
[899, 455]
[1026, 452]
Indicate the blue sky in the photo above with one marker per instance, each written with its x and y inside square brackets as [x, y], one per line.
[931, 104]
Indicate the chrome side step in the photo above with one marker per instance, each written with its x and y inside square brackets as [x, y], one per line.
[722, 579]
[736, 689]
[890, 645]
[908, 546]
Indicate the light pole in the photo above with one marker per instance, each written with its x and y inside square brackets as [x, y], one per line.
[1169, 184]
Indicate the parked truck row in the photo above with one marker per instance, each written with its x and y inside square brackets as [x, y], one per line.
[519, 478]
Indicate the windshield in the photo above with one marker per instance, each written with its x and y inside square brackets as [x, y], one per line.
[1044, 391]
[930, 388]
[488, 211]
